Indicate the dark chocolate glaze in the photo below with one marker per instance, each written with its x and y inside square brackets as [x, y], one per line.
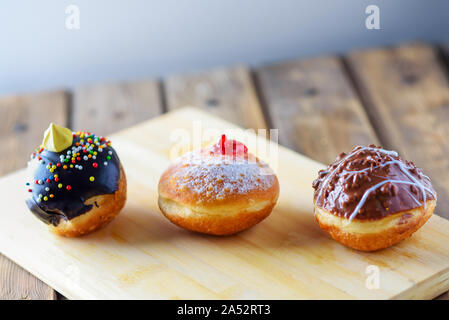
[371, 183]
[68, 204]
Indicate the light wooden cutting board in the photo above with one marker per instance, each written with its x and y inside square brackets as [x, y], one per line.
[142, 255]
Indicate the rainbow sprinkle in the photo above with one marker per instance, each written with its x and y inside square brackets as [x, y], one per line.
[81, 153]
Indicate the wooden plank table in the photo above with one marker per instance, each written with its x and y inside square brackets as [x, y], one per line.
[397, 97]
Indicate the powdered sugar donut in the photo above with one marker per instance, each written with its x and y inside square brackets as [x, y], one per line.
[220, 190]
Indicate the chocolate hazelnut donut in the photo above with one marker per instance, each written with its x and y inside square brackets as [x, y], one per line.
[219, 190]
[76, 183]
[370, 198]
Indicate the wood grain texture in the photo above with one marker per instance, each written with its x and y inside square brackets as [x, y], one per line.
[314, 107]
[142, 255]
[106, 108]
[227, 92]
[24, 118]
[406, 92]
[18, 284]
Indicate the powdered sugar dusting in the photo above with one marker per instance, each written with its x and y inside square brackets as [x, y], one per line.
[216, 176]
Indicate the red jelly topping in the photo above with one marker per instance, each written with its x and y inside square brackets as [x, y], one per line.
[229, 147]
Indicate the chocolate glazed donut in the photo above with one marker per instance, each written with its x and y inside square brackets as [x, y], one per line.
[78, 189]
[370, 198]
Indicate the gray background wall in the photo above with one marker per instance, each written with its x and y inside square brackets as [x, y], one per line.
[134, 39]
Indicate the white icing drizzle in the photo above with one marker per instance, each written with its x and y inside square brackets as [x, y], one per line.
[341, 161]
[368, 191]
[401, 166]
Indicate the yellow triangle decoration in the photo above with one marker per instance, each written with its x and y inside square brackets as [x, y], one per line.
[57, 138]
